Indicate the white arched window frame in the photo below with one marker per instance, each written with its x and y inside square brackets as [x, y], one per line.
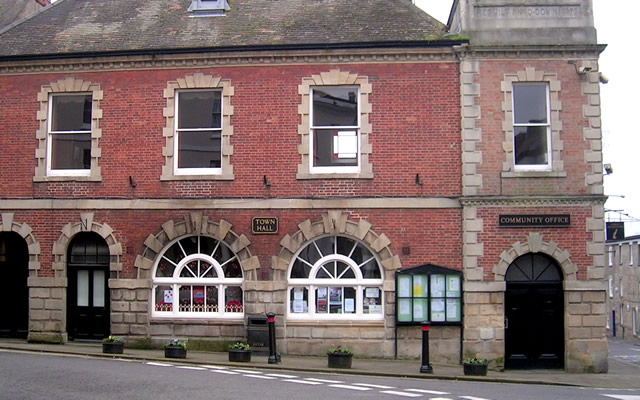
[336, 288]
[202, 280]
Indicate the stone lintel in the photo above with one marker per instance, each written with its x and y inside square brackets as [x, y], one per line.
[47, 282]
[585, 286]
[485, 286]
[129, 284]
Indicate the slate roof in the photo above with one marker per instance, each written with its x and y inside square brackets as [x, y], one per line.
[113, 26]
[14, 10]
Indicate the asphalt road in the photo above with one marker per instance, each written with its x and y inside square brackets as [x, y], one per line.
[37, 376]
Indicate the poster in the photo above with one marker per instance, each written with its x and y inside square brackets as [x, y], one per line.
[372, 293]
[322, 292]
[404, 310]
[437, 309]
[298, 306]
[453, 310]
[420, 309]
[168, 296]
[298, 293]
[437, 286]
[404, 286]
[349, 305]
[418, 286]
[453, 286]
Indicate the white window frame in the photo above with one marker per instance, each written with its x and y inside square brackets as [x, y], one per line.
[50, 134]
[611, 287]
[620, 259]
[196, 171]
[621, 288]
[631, 258]
[634, 320]
[533, 167]
[176, 281]
[312, 283]
[341, 128]
[612, 256]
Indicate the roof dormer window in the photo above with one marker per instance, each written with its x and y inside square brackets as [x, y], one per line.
[208, 7]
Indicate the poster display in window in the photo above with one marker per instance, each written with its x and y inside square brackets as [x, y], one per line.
[429, 294]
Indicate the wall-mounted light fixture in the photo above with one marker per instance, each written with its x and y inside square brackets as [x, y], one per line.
[581, 70]
[608, 169]
[418, 180]
[265, 181]
[132, 183]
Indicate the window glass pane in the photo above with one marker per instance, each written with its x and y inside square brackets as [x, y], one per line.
[322, 297]
[185, 298]
[349, 300]
[71, 113]
[531, 145]
[233, 299]
[199, 109]
[190, 245]
[98, 288]
[207, 270]
[530, 103]
[335, 106]
[372, 300]
[212, 299]
[164, 298]
[71, 151]
[299, 300]
[370, 270]
[344, 271]
[199, 149]
[335, 300]
[223, 254]
[232, 269]
[345, 245]
[198, 299]
[326, 245]
[83, 288]
[190, 270]
[165, 269]
[361, 254]
[310, 254]
[332, 147]
[207, 245]
[174, 253]
[326, 271]
[300, 270]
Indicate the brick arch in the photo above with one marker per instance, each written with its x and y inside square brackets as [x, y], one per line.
[86, 224]
[536, 244]
[336, 223]
[33, 246]
[193, 224]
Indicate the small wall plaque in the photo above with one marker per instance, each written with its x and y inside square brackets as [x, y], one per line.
[264, 225]
[534, 220]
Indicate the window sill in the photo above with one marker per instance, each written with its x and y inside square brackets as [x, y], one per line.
[67, 178]
[334, 322]
[358, 175]
[190, 320]
[534, 174]
[196, 177]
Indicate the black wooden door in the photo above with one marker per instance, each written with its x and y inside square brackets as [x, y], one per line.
[534, 314]
[14, 267]
[88, 300]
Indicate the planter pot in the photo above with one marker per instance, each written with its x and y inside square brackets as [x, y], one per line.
[475, 369]
[112, 348]
[240, 355]
[175, 352]
[339, 360]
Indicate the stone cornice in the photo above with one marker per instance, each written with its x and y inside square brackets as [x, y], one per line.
[531, 200]
[228, 59]
[238, 203]
[538, 52]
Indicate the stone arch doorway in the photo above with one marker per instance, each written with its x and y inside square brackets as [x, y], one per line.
[14, 269]
[534, 313]
[88, 299]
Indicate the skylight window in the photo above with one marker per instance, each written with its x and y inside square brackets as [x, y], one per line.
[208, 7]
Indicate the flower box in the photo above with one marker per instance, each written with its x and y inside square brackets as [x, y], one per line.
[113, 347]
[175, 352]
[239, 355]
[475, 369]
[339, 360]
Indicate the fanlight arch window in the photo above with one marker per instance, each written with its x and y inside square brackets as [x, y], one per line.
[533, 267]
[197, 276]
[335, 277]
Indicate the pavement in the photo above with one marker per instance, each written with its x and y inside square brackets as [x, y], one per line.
[622, 373]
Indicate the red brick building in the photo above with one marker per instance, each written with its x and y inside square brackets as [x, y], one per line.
[234, 160]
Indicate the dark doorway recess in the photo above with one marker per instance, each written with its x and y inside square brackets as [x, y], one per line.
[88, 297]
[534, 308]
[14, 267]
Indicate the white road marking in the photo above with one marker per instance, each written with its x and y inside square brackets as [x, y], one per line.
[159, 364]
[193, 368]
[282, 376]
[244, 371]
[426, 391]
[213, 367]
[404, 394]
[301, 381]
[222, 371]
[259, 376]
[622, 397]
[374, 386]
[472, 398]
[350, 387]
[322, 380]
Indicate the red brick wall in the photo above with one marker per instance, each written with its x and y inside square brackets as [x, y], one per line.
[490, 77]
[415, 118]
[432, 235]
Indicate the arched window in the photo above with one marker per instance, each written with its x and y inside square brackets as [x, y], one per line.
[335, 277]
[197, 276]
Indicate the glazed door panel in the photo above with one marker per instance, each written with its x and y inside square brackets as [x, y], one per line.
[88, 313]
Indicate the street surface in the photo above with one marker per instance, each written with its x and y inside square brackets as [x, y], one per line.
[36, 376]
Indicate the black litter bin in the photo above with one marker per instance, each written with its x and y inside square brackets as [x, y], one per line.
[258, 332]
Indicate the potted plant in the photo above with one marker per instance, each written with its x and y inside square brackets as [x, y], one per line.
[175, 349]
[475, 366]
[339, 357]
[113, 345]
[239, 352]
